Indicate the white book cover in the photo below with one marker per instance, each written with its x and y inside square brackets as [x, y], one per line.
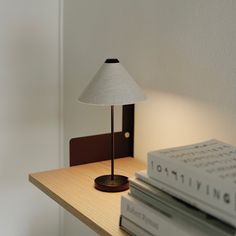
[203, 174]
[153, 221]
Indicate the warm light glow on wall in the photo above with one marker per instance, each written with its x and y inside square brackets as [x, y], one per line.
[166, 120]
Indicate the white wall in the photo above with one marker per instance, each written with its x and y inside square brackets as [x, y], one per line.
[181, 52]
[29, 114]
[189, 74]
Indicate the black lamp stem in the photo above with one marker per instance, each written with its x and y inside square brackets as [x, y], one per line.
[112, 183]
[112, 143]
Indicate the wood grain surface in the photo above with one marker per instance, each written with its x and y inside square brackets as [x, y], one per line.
[73, 188]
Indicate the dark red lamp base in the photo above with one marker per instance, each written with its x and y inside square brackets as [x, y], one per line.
[106, 184]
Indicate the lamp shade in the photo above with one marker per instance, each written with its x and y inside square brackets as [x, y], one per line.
[112, 85]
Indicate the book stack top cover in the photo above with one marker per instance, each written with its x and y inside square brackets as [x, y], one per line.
[205, 172]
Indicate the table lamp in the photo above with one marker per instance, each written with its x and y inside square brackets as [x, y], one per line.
[112, 85]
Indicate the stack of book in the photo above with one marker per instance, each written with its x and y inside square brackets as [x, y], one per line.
[185, 191]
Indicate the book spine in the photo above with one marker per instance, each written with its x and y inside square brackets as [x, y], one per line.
[149, 219]
[132, 228]
[198, 189]
[203, 226]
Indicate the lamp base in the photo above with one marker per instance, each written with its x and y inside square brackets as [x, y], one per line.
[117, 184]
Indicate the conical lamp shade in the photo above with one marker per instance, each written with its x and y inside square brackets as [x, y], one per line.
[112, 85]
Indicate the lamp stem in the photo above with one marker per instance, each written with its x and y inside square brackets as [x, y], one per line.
[112, 183]
[112, 143]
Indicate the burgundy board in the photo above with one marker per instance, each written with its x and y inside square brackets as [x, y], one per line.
[98, 147]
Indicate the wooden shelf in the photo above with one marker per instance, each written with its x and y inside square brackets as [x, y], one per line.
[73, 188]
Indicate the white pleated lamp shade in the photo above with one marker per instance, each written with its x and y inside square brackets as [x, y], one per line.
[112, 85]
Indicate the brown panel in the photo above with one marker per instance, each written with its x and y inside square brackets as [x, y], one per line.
[98, 147]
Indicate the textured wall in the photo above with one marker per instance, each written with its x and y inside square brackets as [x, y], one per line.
[29, 114]
[189, 75]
